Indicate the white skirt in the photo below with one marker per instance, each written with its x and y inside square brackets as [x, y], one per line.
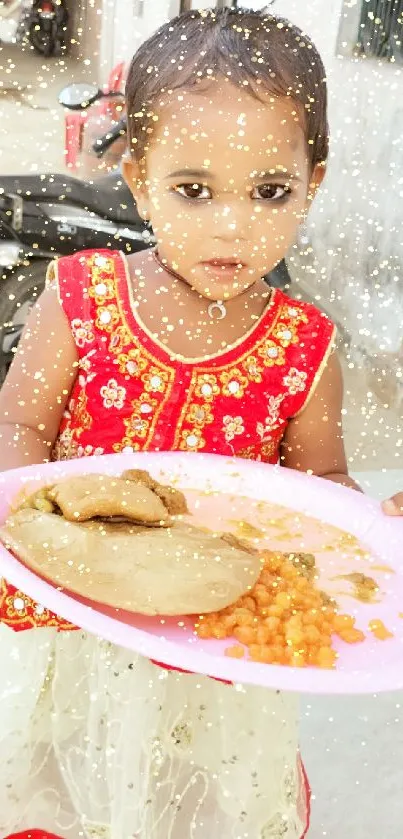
[98, 742]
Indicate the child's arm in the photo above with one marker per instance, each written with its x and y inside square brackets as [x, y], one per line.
[37, 387]
[314, 440]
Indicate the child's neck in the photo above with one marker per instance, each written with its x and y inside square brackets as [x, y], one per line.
[179, 318]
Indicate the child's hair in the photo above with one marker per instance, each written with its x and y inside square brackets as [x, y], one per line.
[254, 49]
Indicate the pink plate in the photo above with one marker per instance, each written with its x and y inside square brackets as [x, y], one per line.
[276, 507]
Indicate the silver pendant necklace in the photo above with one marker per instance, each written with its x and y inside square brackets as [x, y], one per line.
[216, 306]
[216, 310]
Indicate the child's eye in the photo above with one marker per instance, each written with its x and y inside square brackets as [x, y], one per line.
[270, 192]
[198, 191]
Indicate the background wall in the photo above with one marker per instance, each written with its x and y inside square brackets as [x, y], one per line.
[356, 266]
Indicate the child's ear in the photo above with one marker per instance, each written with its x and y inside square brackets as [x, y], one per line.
[135, 177]
[315, 180]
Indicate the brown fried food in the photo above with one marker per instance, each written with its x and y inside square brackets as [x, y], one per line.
[304, 563]
[174, 499]
[154, 571]
[39, 501]
[89, 496]
[242, 544]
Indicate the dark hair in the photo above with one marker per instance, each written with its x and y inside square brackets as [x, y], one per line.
[255, 49]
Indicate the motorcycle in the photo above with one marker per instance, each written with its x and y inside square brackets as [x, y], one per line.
[46, 26]
[45, 216]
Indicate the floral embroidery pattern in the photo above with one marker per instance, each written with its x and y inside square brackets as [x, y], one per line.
[199, 415]
[64, 446]
[253, 369]
[234, 383]
[131, 363]
[107, 318]
[113, 395]
[286, 334]
[207, 387]
[272, 377]
[101, 290]
[20, 612]
[232, 426]
[295, 381]
[80, 412]
[273, 416]
[272, 354]
[90, 451]
[82, 332]
[155, 380]
[269, 448]
[192, 440]
[127, 445]
[119, 339]
[86, 365]
[296, 315]
[138, 424]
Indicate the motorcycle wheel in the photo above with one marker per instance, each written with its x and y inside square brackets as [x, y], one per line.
[18, 293]
[43, 42]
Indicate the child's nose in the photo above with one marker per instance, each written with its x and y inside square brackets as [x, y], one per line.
[230, 222]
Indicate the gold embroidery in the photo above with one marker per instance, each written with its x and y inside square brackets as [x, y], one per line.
[107, 317]
[271, 354]
[84, 419]
[131, 363]
[249, 453]
[127, 444]
[229, 382]
[234, 383]
[192, 440]
[232, 426]
[157, 373]
[295, 381]
[199, 415]
[138, 424]
[206, 386]
[253, 369]
[102, 290]
[286, 334]
[17, 609]
[155, 380]
[119, 339]
[269, 448]
[65, 447]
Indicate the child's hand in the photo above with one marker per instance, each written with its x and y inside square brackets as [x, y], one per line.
[393, 506]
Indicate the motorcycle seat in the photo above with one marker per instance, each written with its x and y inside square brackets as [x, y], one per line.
[109, 197]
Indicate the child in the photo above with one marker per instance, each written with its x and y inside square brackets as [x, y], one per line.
[184, 348]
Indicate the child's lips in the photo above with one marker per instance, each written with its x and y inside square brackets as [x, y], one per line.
[223, 268]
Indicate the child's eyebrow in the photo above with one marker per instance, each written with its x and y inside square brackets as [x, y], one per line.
[272, 174]
[268, 175]
[191, 173]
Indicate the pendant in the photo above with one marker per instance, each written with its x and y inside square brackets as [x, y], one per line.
[219, 306]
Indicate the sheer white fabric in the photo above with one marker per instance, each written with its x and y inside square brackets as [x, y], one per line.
[98, 742]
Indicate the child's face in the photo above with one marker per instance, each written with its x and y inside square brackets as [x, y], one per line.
[225, 186]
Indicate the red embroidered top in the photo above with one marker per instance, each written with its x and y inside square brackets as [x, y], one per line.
[132, 394]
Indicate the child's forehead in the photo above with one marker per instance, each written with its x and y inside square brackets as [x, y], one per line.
[231, 129]
[228, 113]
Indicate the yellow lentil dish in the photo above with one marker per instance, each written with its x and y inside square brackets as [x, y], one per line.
[284, 619]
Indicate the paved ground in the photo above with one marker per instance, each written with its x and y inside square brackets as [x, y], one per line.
[353, 748]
